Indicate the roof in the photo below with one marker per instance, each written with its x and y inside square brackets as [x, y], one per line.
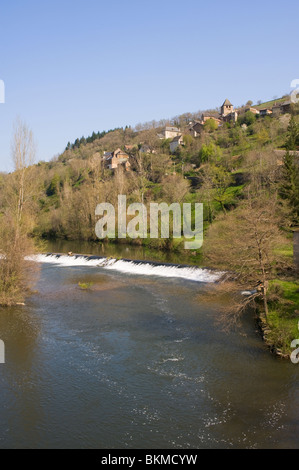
[196, 124]
[118, 151]
[109, 155]
[145, 147]
[227, 103]
[210, 115]
[280, 105]
[177, 138]
[173, 129]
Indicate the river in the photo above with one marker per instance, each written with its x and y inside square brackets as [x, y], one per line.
[137, 361]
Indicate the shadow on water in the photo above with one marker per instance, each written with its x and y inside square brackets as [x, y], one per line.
[119, 250]
[20, 391]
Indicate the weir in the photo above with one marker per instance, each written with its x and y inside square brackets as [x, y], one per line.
[137, 267]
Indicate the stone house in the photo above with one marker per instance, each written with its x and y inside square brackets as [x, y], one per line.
[170, 133]
[231, 117]
[195, 128]
[146, 149]
[266, 112]
[175, 143]
[112, 160]
[245, 109]
[282, 108]
[252, 110]
[207, 117]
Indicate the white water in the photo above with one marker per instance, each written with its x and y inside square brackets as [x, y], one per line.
[130, 267]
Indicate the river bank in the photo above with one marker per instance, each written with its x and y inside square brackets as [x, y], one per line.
[283, 317]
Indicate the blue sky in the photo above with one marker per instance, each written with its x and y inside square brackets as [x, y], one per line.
[74, 67]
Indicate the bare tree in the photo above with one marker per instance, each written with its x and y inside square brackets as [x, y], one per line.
[23, 155]
[174, 188]
[17, 219]
[243, 242]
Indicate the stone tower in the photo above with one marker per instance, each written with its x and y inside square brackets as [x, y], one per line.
[226, 108]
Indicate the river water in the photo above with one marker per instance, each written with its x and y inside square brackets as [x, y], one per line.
[137, 361]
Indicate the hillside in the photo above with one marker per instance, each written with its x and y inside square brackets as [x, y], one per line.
[271, 103]
[243, 167]
[78, 178]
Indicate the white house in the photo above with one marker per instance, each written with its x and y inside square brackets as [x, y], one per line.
[170, 133]
[176, 142]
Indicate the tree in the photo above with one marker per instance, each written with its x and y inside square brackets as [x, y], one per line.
[174, 188]
[242, 242]
[289, 188]
[188, 141]
[210, 125]
[17, 221]
[209, 153]
[248, 118]
[263, 137]
[216, 180]
[23, 154]
[292, 135]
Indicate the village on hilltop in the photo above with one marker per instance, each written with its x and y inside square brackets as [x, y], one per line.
[228, 114]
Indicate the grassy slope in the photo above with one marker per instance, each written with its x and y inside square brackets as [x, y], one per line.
[269, 104]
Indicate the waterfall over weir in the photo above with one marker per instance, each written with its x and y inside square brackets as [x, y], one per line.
[146, 268]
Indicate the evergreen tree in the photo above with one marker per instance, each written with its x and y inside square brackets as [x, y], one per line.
[290, 185]
[289, 188]
[77, 143]
[293, 135]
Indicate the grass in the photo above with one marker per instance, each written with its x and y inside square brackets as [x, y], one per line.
[285, 250]
[85, 285]
[269, 104]
[283, 314]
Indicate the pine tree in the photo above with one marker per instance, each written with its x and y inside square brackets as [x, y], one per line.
[289, 188]
[293, 135]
